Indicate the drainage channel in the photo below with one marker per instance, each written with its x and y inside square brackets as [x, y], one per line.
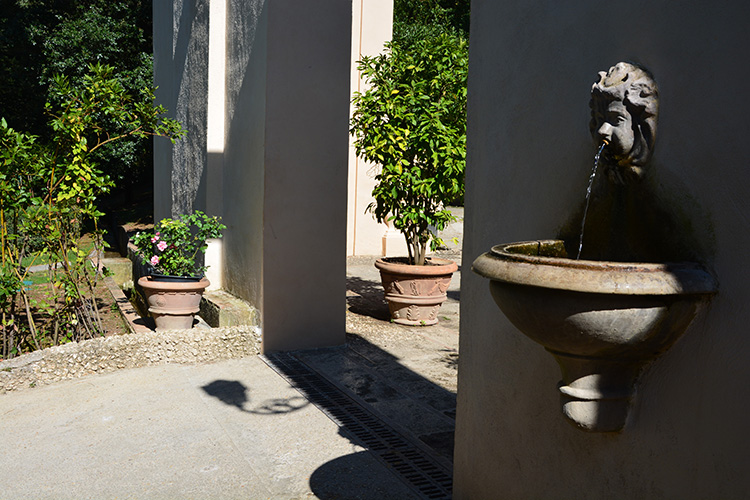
[416, 468]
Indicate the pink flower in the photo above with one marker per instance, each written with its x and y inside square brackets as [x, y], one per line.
[161, 245]
[154, 260]
[155, 238]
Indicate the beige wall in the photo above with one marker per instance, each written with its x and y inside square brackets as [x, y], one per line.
[372, 26]
[529, 156]
[285, 166]
[306, 145]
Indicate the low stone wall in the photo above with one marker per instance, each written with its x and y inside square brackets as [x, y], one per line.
[107, 354]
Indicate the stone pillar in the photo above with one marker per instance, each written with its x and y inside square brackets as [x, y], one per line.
[263, 88]
[285, 166]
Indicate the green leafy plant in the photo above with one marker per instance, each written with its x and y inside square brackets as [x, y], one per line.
[416, 19]
[176, 245]
[49, 189]
[411, 122]
[40, 39]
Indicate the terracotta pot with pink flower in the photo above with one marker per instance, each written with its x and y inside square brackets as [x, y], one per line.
[173, 252]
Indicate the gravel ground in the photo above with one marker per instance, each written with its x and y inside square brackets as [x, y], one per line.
[431, 351]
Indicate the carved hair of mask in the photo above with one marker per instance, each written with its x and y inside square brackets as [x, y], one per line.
[636, 89]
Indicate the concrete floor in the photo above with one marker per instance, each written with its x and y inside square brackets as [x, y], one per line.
[240, 429]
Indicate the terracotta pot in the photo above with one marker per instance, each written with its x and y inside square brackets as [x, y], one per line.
[173, 305]
[414, 293]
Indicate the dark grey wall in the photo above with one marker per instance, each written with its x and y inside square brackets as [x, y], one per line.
[532, 64]
[244, 158]
[181, 75]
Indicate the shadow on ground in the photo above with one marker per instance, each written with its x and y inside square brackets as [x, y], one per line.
[390, 389]
[405, 420]
[365, 297]
[235, 393]
[328, 482]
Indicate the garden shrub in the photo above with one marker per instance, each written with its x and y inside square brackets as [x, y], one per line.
[48, 188]
[411, 122]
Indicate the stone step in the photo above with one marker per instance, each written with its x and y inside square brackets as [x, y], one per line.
[219, 308]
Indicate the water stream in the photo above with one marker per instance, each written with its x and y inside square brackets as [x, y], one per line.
[588, 196]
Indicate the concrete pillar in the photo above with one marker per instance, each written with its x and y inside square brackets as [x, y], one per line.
[263, 88]
[285, 166]
[304, 227]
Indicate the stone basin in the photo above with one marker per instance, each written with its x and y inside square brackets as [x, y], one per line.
[602, 321]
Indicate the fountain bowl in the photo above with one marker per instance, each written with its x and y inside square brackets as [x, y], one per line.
[602, 321]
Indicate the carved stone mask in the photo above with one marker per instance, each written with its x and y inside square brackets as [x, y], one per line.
[624, 109]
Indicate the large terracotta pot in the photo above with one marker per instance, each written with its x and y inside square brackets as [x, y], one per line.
[414, 293]
[173, 304]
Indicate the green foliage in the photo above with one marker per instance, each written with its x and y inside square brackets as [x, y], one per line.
[448, 13]
[91, 115]
[414, 20]
[40, 39]
[176, 244]
[9, 285]
[412, 123]
[49, 187]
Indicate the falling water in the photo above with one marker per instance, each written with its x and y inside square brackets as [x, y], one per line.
[588, 196]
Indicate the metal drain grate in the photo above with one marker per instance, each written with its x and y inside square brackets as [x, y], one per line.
[414, 467]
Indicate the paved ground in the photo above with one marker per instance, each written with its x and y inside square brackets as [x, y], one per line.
[370, 420]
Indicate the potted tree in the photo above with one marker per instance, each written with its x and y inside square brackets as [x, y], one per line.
[411, 122]
[173, 252]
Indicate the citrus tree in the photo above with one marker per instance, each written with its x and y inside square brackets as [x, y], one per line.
[411, 122]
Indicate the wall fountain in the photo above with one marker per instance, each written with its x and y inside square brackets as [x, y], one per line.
[626, 294]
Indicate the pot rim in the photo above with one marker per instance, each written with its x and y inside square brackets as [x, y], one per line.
[439, 266]
[175, 278]
[152, 284]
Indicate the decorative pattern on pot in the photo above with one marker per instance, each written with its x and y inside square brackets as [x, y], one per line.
[415, 293]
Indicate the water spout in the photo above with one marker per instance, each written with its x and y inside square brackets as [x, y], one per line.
[588, 194]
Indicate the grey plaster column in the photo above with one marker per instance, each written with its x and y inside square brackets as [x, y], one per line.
[530, 153]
